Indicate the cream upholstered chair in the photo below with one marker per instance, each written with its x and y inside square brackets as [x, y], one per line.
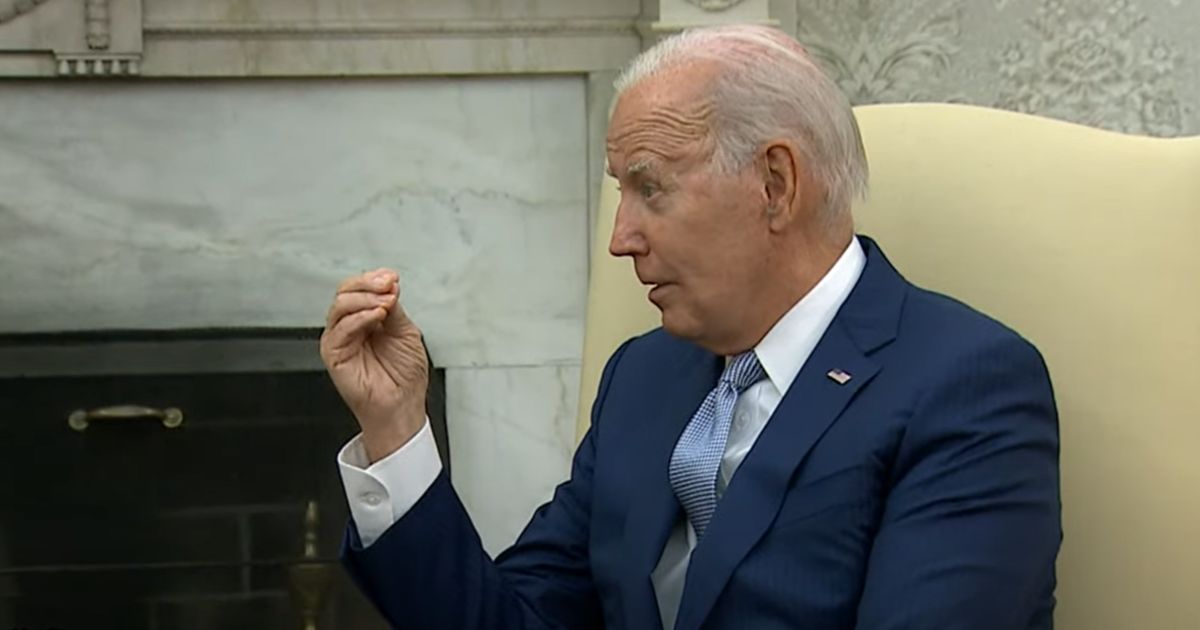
[1085, 241]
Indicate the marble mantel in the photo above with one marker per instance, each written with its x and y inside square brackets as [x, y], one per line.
[183, 39]
[148, 148]
[261, 38]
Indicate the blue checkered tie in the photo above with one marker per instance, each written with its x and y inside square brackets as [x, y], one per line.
[697, 457]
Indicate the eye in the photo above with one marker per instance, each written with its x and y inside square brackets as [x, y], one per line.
[648, 190]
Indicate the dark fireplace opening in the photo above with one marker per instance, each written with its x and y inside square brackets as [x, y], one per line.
[175, 480]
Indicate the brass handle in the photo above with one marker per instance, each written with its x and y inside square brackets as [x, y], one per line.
[80, 419]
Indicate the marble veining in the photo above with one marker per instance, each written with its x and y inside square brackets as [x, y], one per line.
[196, 204]
[512, 435]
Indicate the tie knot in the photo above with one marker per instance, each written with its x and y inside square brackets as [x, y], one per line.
[743, 371]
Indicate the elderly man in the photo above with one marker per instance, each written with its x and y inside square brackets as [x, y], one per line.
[808, 442]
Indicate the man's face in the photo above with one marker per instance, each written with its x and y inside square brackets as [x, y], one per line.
[698, 238]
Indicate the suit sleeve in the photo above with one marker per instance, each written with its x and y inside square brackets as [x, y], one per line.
[971, 526]
[429, 570]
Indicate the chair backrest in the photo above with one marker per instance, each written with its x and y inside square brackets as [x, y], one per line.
[1084, 241]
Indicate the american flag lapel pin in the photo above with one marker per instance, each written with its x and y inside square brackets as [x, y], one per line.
[841, 377]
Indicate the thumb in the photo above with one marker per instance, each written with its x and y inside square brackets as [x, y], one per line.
[397, 320]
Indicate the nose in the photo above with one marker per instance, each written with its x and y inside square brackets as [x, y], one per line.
[627, 238]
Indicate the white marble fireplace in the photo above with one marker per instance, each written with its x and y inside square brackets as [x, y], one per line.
[170, 164]
[218, 203]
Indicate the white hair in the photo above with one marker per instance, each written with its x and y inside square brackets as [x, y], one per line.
[768, 87]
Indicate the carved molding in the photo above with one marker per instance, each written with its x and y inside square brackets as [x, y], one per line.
[393, 47]
[715, 6]
[677, 15]
[69, 38]
[12, 9]
[417, 28]
[97, 23]
[105, 38]
[90, 65]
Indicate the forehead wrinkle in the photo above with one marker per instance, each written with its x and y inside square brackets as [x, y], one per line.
[665, 132]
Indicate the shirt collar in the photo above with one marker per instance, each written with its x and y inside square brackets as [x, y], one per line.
[787, 346]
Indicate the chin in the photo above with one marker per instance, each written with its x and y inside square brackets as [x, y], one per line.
[679, 326]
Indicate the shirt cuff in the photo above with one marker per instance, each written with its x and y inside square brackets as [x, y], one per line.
[382, 493]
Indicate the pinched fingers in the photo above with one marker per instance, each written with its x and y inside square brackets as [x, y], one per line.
[349, 303]
[379, 281]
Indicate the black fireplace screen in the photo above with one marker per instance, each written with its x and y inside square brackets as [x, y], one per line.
[162, 500]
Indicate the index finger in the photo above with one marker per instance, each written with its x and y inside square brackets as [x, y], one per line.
[378, 281]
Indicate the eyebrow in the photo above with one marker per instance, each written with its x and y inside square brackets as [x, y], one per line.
[639, 167]
[636, 168]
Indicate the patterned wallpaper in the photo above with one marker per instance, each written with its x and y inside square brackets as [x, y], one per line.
[1126, 65]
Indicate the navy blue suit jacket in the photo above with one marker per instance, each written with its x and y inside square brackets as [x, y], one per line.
[922, 494]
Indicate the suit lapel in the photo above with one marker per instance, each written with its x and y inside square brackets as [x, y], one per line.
[654, 509]
[867, 320]
[757, 490]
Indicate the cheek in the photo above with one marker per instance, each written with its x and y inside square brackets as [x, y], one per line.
[735, 255]
[706, 236]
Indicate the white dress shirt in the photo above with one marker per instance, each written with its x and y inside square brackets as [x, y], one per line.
[381, 493]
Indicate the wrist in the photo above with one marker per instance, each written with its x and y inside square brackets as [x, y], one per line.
[384, 438]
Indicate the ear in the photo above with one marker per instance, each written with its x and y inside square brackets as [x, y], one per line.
[782, 181]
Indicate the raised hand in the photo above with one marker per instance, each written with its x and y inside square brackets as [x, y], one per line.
[377, 361]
